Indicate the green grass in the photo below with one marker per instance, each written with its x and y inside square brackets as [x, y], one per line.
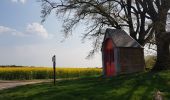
[138, 86]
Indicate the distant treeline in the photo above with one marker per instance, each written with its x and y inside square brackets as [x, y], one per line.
[14, 66]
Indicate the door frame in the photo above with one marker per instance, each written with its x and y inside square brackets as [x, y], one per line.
[109, 61]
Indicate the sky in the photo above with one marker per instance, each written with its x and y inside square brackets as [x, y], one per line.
[25, 41]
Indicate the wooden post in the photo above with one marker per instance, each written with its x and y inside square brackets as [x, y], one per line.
[54, 65]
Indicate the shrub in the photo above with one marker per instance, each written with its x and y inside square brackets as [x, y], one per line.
[150, 61]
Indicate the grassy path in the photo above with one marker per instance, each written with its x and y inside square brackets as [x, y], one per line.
[6, 84]
[14, 83]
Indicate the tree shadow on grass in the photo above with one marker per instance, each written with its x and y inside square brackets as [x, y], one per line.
[139, 86]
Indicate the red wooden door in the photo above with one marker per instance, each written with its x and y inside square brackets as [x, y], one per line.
[109, 58]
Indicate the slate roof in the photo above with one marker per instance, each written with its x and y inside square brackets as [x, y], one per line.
[121, 38]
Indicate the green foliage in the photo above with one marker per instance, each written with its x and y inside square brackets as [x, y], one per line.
[138, 86]
[28, 73]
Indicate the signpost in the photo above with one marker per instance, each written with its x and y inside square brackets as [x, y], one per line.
[54, 64]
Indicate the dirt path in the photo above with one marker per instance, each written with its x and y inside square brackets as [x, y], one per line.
[11, 84]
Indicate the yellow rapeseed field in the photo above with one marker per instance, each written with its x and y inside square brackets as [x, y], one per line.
[28, 73]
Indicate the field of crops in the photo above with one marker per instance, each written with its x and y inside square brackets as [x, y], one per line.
[28, 73]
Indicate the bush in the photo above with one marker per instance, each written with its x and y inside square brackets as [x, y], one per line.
[150, 61]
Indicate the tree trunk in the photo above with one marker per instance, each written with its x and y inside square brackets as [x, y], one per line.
[162, 39]
[163, 52]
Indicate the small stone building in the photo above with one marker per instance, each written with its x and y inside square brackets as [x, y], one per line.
[121, 53]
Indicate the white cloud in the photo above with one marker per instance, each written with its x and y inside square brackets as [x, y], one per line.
[33, 29]
[23, 1]
[36, 28]
[4, 30]
[14, 0]
[19, 1]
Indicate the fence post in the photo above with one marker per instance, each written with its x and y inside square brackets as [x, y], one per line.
[54, 65]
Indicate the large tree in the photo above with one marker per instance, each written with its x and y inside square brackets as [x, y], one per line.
[158, 15]
[144, 19]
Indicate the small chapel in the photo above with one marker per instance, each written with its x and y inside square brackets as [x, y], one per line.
[121, 54]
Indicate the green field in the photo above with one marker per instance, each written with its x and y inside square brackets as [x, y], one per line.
[29, 73]
[138, 86]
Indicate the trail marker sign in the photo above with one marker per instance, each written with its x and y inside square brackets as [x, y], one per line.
[54, 65]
